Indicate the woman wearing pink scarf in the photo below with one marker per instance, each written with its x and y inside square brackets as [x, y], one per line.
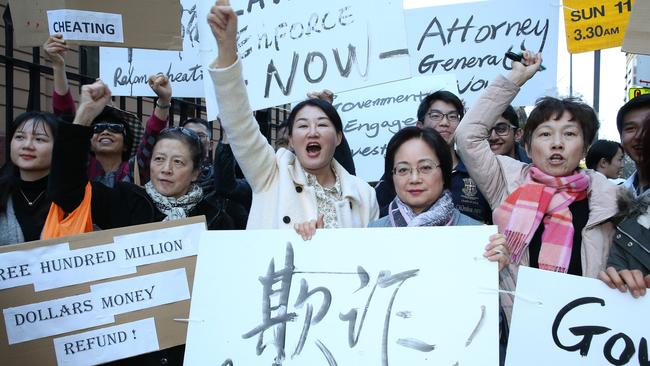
[555, 215]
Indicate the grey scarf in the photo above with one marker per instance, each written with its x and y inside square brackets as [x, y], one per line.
[175, 208]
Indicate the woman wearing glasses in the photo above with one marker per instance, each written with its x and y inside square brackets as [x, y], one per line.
[24, 201]
[289, 188]
[117, 143]
[170, 194]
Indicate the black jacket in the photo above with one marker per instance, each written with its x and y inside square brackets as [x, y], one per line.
[124, 205]
[631, 246]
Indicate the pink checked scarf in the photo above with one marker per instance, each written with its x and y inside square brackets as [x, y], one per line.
[543, 197]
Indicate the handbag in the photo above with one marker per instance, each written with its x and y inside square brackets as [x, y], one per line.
[77, 222]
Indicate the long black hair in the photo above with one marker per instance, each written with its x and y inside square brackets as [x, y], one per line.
[9, 174]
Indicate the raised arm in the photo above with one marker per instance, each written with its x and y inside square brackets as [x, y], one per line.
[251, 149]
[62, 103]
[474, 130]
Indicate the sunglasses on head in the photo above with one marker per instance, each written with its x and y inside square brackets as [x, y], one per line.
[112, 127]
[182, 130]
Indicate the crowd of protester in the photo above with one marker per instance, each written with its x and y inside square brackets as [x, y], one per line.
[455, 167]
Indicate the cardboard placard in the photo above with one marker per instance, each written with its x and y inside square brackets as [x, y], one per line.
[127, 70]
[407, 296]
[638, 29]
[595, 25]
[561, 319]
[152, 24]
[471, 39]
[289, 48]
[132, 312]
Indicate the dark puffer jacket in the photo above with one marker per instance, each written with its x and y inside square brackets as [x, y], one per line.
[631, 246]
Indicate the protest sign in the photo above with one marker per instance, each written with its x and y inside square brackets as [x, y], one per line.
[471, 39]
[635, 92]
[407, 296]
[570, 320]
[595, 25]
[371, 116]
[142, 283]
[291, 48]
[638, 28]
[126, 70]
[116, 22]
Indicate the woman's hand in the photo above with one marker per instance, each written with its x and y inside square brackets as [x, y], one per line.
[308, 229]
[324, 94]
[497, 251]
[223, 23]
[55, 49]
[522, 72]
[626, 279]
[160, 85]
[94, 97]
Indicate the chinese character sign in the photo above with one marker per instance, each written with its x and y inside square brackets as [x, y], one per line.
[410, 296]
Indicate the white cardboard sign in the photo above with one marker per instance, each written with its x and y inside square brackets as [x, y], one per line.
[561, 319]
[126, 70]
[371, 116]
[471, 40]
[107, 344]
[347, 297]
[82, 25]
[291, 48]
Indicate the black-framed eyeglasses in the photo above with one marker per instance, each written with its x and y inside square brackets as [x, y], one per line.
[182, 130]
[423, 169]
[502, 129]
[437, 116]
[112, 127]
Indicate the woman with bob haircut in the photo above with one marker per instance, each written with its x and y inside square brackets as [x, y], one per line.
[172, 192]
[555, 216]
[606, 157]
[290, 188]
[24, 201]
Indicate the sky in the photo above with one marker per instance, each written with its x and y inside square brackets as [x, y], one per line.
[612, 73]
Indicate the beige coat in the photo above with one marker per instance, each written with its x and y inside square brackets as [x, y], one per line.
[281, 196]
[499, 176]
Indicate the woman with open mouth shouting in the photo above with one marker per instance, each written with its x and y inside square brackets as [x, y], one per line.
[289, 188]
[555, 215]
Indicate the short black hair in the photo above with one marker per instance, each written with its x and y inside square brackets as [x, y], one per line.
[644, 167]
[601, 149]
[326, 107]
[112, 115]
[547, 108]
[189, 138]
[198, 121]
[642, 101]
[511, 115]
[444, 96]
[432, 138]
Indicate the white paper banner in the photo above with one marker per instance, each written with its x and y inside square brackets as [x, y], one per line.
[107, 344]
[291, 48]
[159, 245]
[142, 292]
[569, 320]
[79, 266]
[19, 268]
[407, 296]
[373, 115]
[471, 40]
[126, 70]
[47, 318]
[82, 25]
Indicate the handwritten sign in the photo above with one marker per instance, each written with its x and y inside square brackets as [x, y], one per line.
[155, 265]
[144, 23]
[571, 320]
[595, 25]
[291, 48]
[347, 297]
[373, 115]
[126, 70]
[470, 40]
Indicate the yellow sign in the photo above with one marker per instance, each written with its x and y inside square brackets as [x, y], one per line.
[593, 25]
[635, 92]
